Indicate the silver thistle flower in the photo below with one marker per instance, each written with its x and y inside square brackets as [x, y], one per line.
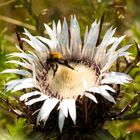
[61, 69]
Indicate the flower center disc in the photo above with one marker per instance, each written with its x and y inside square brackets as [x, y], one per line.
[69, 83]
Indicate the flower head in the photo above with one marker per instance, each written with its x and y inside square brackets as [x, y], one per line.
[63, 69]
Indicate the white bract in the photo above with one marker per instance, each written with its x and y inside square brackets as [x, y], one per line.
[90, 74]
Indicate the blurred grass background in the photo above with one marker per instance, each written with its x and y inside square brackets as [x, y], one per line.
[15, 15]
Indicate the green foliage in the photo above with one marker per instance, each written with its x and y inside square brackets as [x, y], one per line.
[17, 131]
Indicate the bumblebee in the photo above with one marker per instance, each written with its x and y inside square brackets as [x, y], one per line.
[55, 56]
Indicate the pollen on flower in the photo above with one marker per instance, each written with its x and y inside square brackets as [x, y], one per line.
[68, 83]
